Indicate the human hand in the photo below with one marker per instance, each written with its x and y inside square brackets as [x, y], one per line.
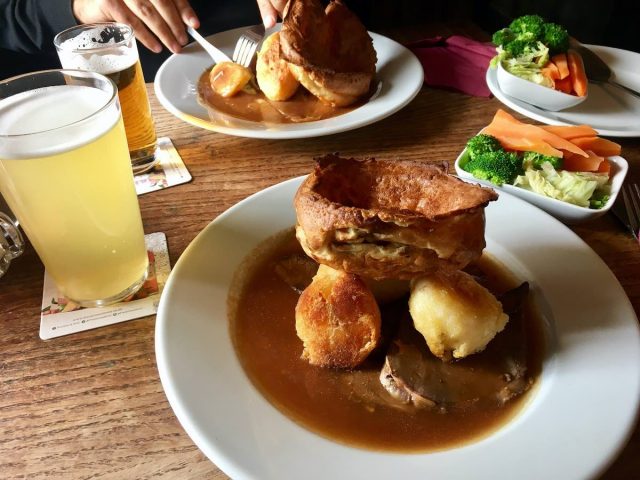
[153, 21]
[270, 10]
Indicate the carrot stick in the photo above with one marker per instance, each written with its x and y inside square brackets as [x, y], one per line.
[569, 132]
[600, 146]
[578, 76]
[564, 85]
[560, 61]
[521, 144]
[508, 125]
[551, 71]
[604, 167]
[576, 163]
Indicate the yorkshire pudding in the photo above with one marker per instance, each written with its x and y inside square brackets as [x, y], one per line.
[389, 219]
[330, 52]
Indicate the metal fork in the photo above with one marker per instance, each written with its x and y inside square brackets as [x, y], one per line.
[248, 44]
[631, 199]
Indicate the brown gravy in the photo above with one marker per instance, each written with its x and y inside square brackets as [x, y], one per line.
[339, 404]
[255, 107]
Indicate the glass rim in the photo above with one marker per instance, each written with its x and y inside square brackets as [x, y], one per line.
[87, 26]
[63, 71]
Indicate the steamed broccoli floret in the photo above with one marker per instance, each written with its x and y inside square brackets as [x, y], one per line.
[517, 48]
[535, 54]
[526, 34]
[528, 26]
[498, 167]
[483, 143]
[535, 160]
[488, 160]
[502, 37]
[556, 38]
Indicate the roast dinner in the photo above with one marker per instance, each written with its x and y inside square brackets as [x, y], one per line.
[378, 320]
[322, 63]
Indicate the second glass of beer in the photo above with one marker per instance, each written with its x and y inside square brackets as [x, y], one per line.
[110, 49]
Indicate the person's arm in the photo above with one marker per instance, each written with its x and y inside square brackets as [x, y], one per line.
[30, 25]
[152, 21]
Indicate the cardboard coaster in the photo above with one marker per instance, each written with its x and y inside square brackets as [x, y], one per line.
[59, 316]
[169, 171]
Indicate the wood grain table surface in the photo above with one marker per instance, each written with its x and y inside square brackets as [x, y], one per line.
[91, 406]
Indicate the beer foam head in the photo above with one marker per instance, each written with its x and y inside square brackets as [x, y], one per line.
[52, 120]
[80, 53]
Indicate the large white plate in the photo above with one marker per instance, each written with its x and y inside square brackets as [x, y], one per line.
[577, 420]
[610, 110]
[398, 70]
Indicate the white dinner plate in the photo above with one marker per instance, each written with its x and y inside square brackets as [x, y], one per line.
[610, 110]
[576, 421]
[398, 71]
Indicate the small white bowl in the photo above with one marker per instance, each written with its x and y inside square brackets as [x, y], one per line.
[534, 94]
[563, 211]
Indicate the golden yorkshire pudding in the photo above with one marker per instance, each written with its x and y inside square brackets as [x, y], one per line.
[330, 52]
[389, 219]
[272, 73]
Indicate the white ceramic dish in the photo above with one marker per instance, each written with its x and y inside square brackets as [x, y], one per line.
[534, 94]
[610, 110]
[398, 71]
[563, 211]
[573, 426]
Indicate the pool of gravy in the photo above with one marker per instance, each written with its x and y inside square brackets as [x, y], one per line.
[255, 107]
[351, 406]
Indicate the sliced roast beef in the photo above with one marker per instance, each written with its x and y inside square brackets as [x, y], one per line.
[413, 375]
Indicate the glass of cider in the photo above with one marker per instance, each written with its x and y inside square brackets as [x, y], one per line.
[66, 175]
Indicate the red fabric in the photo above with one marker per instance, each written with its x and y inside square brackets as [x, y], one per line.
[455, 62]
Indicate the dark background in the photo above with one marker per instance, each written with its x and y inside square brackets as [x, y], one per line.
[614, 23]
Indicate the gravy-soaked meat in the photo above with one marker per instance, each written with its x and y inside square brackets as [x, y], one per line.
[413, 375]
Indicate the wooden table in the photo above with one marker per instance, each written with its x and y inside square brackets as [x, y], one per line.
[90, 405]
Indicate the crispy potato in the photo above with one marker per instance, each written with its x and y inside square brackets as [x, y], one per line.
[272, 72]
[228, 78]
[337, 319]
[454, 313]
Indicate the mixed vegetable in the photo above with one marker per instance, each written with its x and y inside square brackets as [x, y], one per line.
[568, 163]
[539, 51]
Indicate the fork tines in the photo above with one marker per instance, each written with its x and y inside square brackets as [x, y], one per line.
[631, 199]
[248, 44]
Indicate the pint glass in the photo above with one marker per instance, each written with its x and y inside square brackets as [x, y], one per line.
[110, 49]
[66, 175]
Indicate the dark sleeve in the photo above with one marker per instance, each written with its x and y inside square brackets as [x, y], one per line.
[30, 25]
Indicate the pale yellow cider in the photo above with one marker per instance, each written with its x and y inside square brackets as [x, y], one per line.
[80, 211]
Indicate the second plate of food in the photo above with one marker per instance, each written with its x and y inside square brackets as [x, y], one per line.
[398, 79]
[571, 426]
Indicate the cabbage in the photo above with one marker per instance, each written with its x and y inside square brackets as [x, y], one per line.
[531, 73]
[571, 187]
[528, 65]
